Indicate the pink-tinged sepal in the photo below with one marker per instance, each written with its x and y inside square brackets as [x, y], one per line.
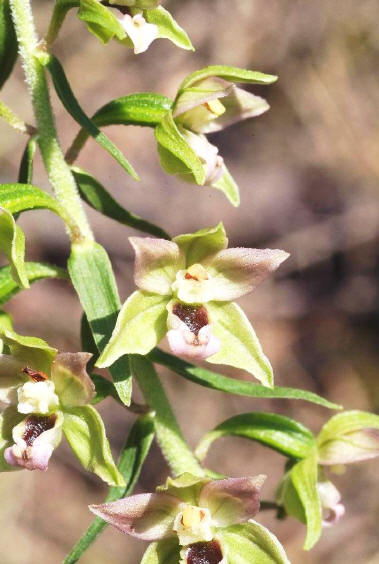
[72, 383]
[233, 500]
[145, 516]
[35, 439]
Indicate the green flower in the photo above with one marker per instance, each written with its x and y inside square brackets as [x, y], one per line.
[196, 520]
[207, 101]
[45, 394]
[186, 290]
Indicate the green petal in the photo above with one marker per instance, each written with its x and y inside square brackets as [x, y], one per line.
[141, 324]
[168, 28]
[202, 244]
[34, 352]
[239, 344]
[228, 186]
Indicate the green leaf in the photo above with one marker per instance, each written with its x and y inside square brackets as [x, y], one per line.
[25, 173]
[240, 346]
[222, 383]
[228, 186]
[141, 324]
[8, 42]
[98, 198]
[17, 198]
[143, 108]
[304, 479]
[71, 104]
[84, 430]
[278, 432]
[203, 243]
[233, 74]
[172, 144]
[34, 271]
[130, 465]
[35, 352]
[12, 244]
[251, 543]
[165, 551]
[91, 273]
[100, 21]
[168, 28]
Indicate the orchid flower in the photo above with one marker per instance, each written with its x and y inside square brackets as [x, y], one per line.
[197, 520]
[186, 290]
[44, 395]
[207, 101]
[135, 23]
[306, 491]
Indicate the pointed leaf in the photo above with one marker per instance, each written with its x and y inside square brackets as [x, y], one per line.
[233, 74]
[25, 173]
[141, 324]
[34, 271]
[202, 244]
[251, 543]
[281, 433]
[99, 199]
[8, 42]
[84, 430]
[168, 28]
[100, 21]
[239, 344]
[142, 108]
[91, 273]
[17, 198]
[171, 142]
[165, 551]
[304, 479]
[71, 104]
[12, 244]
[222, 383]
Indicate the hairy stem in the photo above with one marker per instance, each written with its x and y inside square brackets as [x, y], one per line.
[59, 173]
[169, 436]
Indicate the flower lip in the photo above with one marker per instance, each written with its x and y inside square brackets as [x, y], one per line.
[204, 552]
[194, 317]
[36, 425]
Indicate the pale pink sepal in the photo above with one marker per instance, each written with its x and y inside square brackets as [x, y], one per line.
[146, 516]
[196, 347]
[236, 272]
[331, 504]
[233, 500]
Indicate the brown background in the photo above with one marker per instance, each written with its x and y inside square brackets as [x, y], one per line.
[307, 171]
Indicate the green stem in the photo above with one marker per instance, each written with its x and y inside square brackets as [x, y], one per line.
[59, 173]
[60, 10]
[169, 436]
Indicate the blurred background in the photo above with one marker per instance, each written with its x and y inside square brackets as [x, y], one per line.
[308, 174]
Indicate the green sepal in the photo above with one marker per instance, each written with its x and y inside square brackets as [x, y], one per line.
[278, 432]
[227, 185]
[100, 199]
[165, 551]
[92, 275]
[304, 477]
[215, 381]
[34, 271]
[345, 423]
[186, 487]
[240, 346]
[8, 42]
[100, 21]
[202, 244]
[35, 352]
[6, 324]
[85, 432]
[142, 108]
[168, 28]
[141, 324]
[67, 97]
[233, 74]
[12, 244]
[176, 156]
[251, 543]
[25, 172]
